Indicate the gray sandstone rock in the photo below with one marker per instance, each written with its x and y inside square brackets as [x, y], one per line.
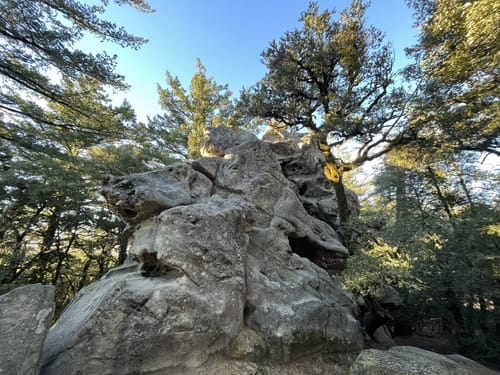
[188, 308]
[408, 360]
[25, 316]
[471, 366]
[228, 272]
[383, 337]
[219, 139]
[143, 195]
[390, 298]
[226, 262]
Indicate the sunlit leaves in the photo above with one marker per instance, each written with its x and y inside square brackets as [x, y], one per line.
[377, 264]
[458, 56]
[444, 225]
[37, 54]
[334, 75]
[189, 112]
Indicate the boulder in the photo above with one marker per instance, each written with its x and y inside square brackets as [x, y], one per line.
[383, 337]
[302, 163]
[227, 270]
[218, 140]
[409, 360]
[180, 306]
[228, 273]
[471, 366]
[155, 191]
[25, 316]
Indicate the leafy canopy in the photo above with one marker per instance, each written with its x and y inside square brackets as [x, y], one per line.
[37, 53]
[334, 77]
[189, 112]
[457, 67]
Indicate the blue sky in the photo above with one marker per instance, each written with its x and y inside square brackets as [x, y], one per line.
[227, 35]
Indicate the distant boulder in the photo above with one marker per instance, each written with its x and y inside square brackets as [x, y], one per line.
[25, 316]
[409, 360]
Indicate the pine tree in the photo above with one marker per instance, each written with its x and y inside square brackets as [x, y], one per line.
[189, 113]
[37, 55]
[59, 133]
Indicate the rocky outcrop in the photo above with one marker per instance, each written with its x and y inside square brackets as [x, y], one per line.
[408, 360]
[25, 317]
[226, 261]
[228, 273]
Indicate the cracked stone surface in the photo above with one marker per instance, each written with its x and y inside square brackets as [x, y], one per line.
[226, 260]
[228, 271]
[25, 315]
[408, 360]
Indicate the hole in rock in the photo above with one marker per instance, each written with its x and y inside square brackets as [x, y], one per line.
[128, 213]
[313, 210]
[149, 263]
[317, 254]
[152, 267]
[301, 187]
[248, 310]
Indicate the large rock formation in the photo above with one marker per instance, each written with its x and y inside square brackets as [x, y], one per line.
[226, 262]
[228, 271]
[25, 317]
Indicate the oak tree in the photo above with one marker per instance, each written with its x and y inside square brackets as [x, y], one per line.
[334, 77]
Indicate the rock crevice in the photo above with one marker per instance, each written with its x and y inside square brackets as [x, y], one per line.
[228, 271]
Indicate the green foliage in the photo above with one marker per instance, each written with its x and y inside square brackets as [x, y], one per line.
[334, 77]
[36, 54]
[59, 134]
[457, 57]
[375, 264]
[446, 233]
[188, 114]
[55, 228]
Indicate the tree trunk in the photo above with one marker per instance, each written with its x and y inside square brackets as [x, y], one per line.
[341, 202]
[48, 239]
[61, 257]
[333, 172]
[401, 198]
[440, 194]
[85, 271]
[466, 190]
[123, 243]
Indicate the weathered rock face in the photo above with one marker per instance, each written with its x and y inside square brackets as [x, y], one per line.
[408, 360]
[226, 261]
[227, 274]
[25, 315]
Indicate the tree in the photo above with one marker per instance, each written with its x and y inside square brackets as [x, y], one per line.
[188, 114]
[439, 247]
[54, 228]
[335, 78]
[457, 67]
[37, 53]
[59, 133]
